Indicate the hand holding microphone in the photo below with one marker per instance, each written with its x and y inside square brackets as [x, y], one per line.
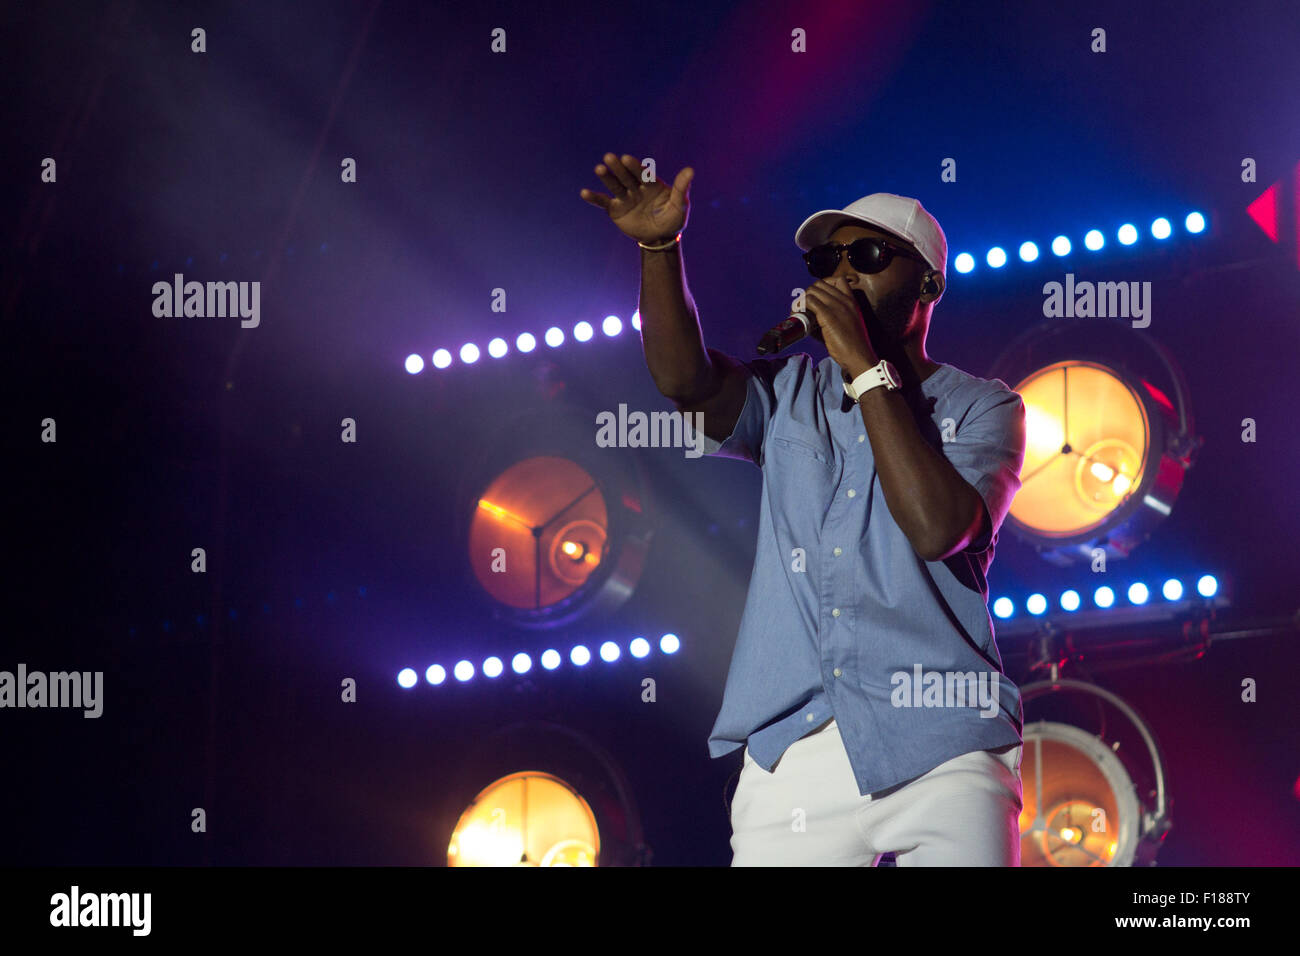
[834, 314]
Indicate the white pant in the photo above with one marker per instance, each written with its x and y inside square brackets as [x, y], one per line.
[964, 812]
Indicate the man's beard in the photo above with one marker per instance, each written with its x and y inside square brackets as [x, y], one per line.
[887, 320]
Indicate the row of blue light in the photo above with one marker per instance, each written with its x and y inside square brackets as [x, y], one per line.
[579, 655]
[612, 325]
[1207, 585]
[526, 342]
[1093, 241]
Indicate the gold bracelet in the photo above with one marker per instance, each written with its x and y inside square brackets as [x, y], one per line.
[661, 247]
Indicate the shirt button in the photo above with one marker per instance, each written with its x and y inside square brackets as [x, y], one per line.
[837, 672]
[852, 493]
[862, 438]
[838, 552]
[810, 718]
[835, 612]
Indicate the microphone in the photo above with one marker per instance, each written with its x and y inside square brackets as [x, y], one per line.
[801, 324]
[779, 337]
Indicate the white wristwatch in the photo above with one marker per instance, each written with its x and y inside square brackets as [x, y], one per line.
[882, 373]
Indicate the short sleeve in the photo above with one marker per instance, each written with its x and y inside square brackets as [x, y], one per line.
[767, 382]
[988, 451]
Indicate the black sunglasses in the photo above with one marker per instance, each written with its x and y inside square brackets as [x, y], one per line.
[867, 255]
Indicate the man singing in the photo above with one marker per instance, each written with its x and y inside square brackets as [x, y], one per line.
[866, 685]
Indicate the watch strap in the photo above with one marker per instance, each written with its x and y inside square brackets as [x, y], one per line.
[872, 378]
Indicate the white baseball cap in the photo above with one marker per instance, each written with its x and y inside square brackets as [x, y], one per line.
[903, 216]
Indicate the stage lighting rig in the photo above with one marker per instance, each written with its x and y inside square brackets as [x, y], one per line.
[1081, 805]
[1107, 448]
[555, 798]
[555, 527]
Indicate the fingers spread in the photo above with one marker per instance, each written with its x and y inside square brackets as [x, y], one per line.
[633, 167]
[619, 168]
[611, 181]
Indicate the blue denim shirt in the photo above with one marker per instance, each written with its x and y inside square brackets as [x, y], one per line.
[844, 619]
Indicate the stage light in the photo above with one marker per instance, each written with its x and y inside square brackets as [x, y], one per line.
[550, 516]
[669, 644]
[526, 342]
[964, 262]
[570, 517]
[1028, 252]
[636, 320]
[554, 337]
[1094, 240]
[1081, 802]
[612, 325]
[1003, 607]
[414, 364]
[1207, 585]
[1161, 228]
[1105, 609]
[583, 331]
[1070, 782]
[1061, 246]
[1036, 604]
[1107, 448]
[497, 348]
[526, 819]
[469, 353]
[1194, 222]
[521, 663]
[441, 358]
[997, 257]
[406, 677]
[1128, 234]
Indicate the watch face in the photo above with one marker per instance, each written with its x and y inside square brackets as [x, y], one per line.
[891, 373]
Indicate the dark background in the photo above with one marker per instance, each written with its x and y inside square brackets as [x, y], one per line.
[329, 560]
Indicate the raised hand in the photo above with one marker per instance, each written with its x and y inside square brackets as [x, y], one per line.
[648, 212]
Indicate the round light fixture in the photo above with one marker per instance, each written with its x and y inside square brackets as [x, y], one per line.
[555, 527]
[538, 533]
[1081, 805]
[526, 819]
[1088, 440]
[556, 798]
[1106, 449]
